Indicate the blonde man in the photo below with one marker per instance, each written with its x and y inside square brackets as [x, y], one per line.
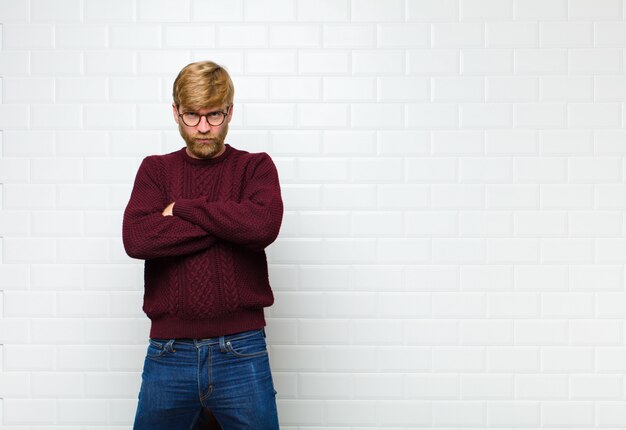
[201, 218]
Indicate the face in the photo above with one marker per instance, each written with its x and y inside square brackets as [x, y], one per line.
[203, 140]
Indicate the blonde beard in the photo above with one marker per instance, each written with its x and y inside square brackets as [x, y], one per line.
[204, 150]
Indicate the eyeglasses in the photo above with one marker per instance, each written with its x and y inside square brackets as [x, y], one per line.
[192, 119]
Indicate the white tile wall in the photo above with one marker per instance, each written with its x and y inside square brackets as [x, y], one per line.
[452, 251]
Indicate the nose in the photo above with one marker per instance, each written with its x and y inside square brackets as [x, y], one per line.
[203, 126]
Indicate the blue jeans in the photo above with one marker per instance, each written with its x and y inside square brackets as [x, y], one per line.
[229, 375]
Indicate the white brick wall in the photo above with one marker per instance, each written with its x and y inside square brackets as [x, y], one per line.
[453, 173]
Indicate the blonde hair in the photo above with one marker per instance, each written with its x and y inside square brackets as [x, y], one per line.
[203, 84]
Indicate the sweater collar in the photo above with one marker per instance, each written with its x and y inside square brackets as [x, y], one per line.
[206, 161]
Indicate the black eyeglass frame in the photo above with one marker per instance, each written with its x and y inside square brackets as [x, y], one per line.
[206, 117]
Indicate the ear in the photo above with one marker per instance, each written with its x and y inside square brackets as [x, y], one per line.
[230, 113]
[175, 112]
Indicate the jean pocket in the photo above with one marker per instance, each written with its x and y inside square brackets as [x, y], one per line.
[159, 348]
[252, 346]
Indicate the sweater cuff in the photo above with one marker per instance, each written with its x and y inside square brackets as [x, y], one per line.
[185, 208]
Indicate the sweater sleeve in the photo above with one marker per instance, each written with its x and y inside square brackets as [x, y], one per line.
[146, 233]
[252, 222]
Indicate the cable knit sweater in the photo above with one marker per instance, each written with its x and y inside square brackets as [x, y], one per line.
[205, 270]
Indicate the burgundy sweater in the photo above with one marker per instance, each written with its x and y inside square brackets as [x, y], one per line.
[205, 270]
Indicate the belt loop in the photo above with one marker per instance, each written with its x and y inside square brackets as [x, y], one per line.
[169, 346]
[222, 344]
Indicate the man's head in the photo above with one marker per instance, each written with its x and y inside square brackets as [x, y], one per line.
[203, 93]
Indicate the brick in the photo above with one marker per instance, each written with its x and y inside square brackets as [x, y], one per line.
[609, 34]
[540, 224]
[597, 170]
[595, 61]
[518, 359]
[25, 90]
[269, 10]
[316, 386]
[540, 115]
[595, 10]
[15, 277]
[323, 10]
[14, 116]
[82, 411]
[349, 142]
[482, 224]
[350, 196]
[271, 62]
[29, 304]
[301, 36]
[572, 413]
[31, 36]
[109, 62]
[373, 10]
[540, 387]
[450, 89]
[426, 115]
[453, 413]
[486, 387]
[56, 62]
[215, 10]
[486, 115]
[242, 36]
[190, 36]
[429, 169]
[606, 223]
[163, 10]
[14, 63]
[135, 36]
[105, 116]
[57, 385]
[447, 196]
[56, 223]
[14, 12]
[570, 88]
[378, 62]
[377, 116]
[541, 61]
[324, 224]
[538, 278]
[512, 88]
[322, 115]
[453, 35]
[493, 278]
[541, 9]
[20, 411]
[80, 36]
[578, 359]
[83, 196]
[81, 90]
[433, 62]
[14, 170]
[513, 305]
[323, 62]
[486, 61]
[61, 11]
[162, 62]
[595, 387]
[596, 115]
[566, 250]
[567, 305]
[540, 332]
[394, 142]
[349, 36]
[566, 142]
[566, 34]
[56, 277]
[17, 250]
[433, 10]
[412, 35]
[324, 332]
[113, 11]
[57, 116]
[294, 88]
[512, 34]
[486, 9]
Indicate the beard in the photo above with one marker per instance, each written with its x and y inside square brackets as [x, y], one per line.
[204, 145]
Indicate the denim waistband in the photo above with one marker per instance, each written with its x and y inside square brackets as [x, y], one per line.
[219, 340]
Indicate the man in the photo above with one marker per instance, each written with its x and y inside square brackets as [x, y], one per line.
[201, 217]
